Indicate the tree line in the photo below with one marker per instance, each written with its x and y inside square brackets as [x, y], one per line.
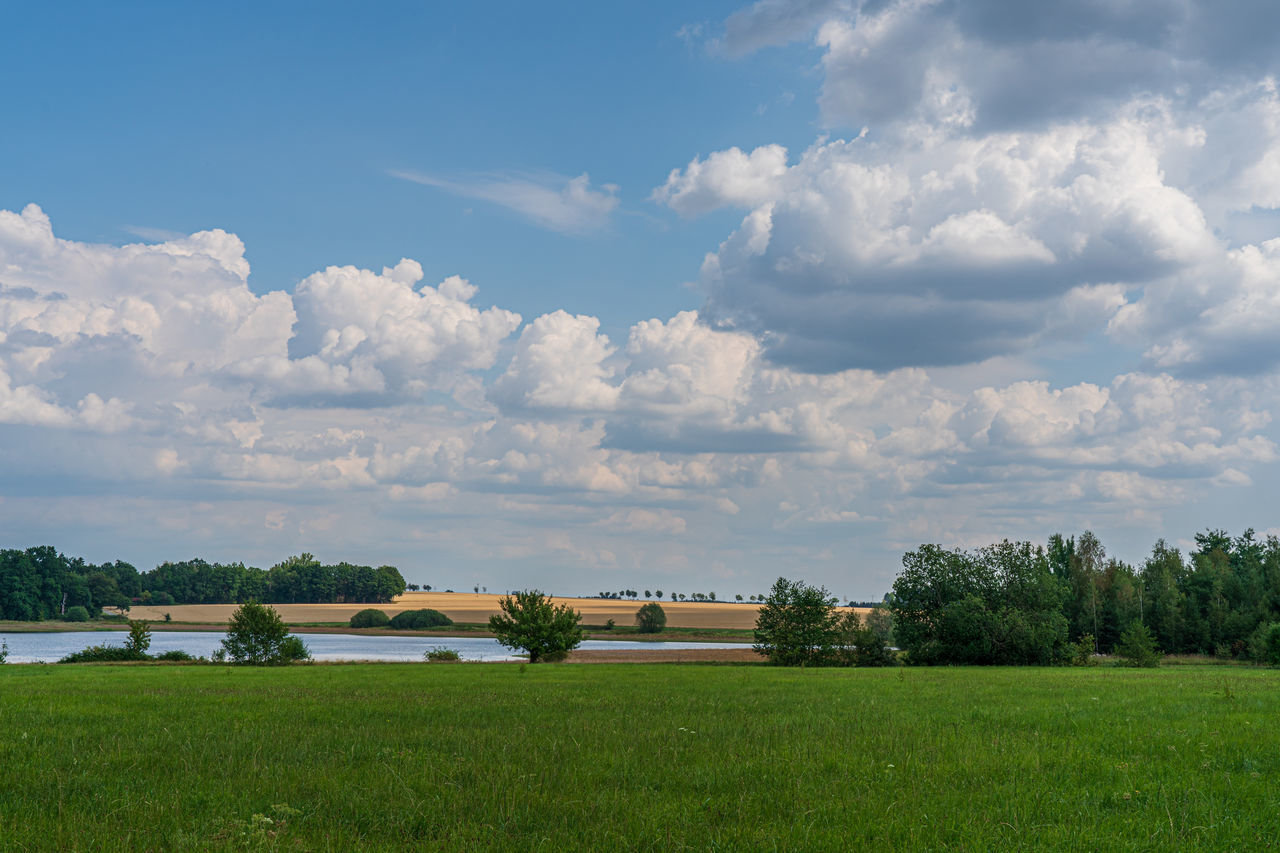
[1016, 602]
[41, 583]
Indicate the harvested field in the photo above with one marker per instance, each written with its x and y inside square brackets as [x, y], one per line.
[473, 607]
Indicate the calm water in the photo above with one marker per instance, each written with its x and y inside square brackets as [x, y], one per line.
[49, 647]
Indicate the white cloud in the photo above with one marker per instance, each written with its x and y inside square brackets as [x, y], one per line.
[725, 179]
[946, 250]
[568, 205]
[559, 363]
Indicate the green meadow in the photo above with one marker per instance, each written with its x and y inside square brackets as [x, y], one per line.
[637, 757]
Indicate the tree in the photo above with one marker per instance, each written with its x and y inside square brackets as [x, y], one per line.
[139, 637]
[863, 644]
[651, 618]
[529, 621]
[257, 635]
[798, 625]
[1138, 647]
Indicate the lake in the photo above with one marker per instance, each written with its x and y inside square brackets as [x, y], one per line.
[50, 647]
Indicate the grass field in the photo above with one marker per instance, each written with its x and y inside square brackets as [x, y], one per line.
[637, 757]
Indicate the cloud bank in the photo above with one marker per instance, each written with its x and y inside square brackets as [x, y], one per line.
[1026, 280]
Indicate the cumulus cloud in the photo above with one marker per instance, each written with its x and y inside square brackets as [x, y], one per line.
[945, 250]
[725, 179]
[559, 363]
[568, 205]
[989, 65]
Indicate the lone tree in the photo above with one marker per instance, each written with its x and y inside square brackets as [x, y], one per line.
[651, 618]
[257, 635]
[798, 625]
[530, 622]
[1137, 646]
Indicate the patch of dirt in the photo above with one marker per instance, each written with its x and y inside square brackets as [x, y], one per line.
[660, 655]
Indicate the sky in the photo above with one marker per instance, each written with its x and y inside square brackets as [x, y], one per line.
[588, 297]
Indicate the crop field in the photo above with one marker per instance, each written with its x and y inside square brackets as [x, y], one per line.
[472, 608]
[637, 757]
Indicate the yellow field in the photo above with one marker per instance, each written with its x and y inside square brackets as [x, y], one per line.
[472, 607]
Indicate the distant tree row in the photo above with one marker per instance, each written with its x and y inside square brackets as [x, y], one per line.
[40, 583]
[1020, 603]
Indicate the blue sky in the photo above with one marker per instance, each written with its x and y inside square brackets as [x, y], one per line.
[284, 125]
[585, 297]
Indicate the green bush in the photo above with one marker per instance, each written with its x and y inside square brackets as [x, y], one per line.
[4, 650]
[1082, 652]
[139, 637]
[76, 614]
[293, 650]
[370, 617]
[862, 644]
[1264, 644]
[420, 620]
[104, 654]
[175, 655]
[257, 635]
[651, 618]
[1137, 646]
[440, 654]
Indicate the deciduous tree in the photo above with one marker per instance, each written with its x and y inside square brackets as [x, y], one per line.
[530, 622]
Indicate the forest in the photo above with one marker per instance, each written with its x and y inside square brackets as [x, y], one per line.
[1014, 603]
[41, 583]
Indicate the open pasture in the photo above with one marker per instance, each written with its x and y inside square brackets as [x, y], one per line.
[469, 607]
[637, 757]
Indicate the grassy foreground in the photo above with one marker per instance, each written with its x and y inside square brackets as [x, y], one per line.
[637, 757]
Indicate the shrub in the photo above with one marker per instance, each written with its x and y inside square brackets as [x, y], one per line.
[1137, 647]
[1264, 644]
[530, 622]
[440, 654]
[104, 654]
[798, 625]
[651, 618]
[1082, 652]
[139, 637]
[257, 635]
[370, 617]
[293, 650]
[862, 644]
[76, 614]
[420, 620]
[4, 650]
[174, 655]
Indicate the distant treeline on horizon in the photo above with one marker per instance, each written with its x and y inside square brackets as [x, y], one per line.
[41, 583]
